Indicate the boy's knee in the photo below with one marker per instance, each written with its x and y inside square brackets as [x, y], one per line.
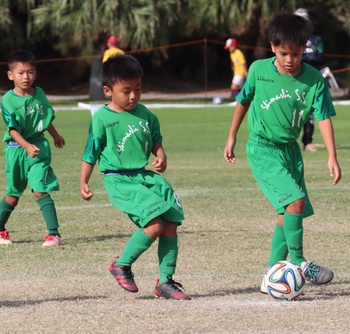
[154, 228]
[296, 207]
[170, 229]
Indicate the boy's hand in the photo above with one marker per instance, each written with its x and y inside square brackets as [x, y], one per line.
[334, 169]
[159, 164]
[33, 151]
[85, 192]
[229, 154]
[59, 141]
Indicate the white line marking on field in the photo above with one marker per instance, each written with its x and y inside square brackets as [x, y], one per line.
[180, 193]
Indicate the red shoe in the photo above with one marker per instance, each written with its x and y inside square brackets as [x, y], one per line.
[170, 290]
[5, 238]
[124, 276]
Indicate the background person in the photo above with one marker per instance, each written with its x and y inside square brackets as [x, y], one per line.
[314, 56]
[113, 50]
[238, 66]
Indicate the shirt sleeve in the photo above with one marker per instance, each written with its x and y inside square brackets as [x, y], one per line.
[93, 146]
[248, 90]
[323, 105]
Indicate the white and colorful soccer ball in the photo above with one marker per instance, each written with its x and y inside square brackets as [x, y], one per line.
[218, 100]
[284, 281]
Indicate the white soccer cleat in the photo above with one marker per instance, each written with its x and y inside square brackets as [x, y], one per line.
[51, 240]
[5, 238]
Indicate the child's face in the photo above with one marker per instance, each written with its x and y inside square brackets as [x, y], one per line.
[23, 76]
[125, 94]
[288, 58]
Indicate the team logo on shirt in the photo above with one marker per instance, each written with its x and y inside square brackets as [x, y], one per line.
[132, 130]
[38, 108]
[284, 95]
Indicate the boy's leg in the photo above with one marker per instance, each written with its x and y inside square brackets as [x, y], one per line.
[294, 234]
[5, 212]
[166, 287]
[121, 267]
[137, 244]
[167, 256]
[279, 248]
[293, 229]
[48, 209]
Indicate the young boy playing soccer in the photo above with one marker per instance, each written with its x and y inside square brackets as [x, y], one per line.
[122, 135]
[280, 93]
[27, 114]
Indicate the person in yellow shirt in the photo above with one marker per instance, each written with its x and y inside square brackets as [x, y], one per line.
[113, 49]
[238, 65]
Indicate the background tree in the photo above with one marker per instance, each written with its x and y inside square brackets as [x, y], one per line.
[61, 28]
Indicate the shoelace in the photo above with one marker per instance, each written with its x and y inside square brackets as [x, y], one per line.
[175, 285]
[312, 271]
[127, 272]
[49, 237]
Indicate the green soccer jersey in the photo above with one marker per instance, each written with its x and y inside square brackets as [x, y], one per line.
[30, 115]
[122, 140]
[281, 104]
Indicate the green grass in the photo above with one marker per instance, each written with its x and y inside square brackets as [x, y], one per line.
[224, 242]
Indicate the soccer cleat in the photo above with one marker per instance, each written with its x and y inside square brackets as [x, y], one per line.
[316, 274]
[51, 240]
[5, 238]
[124, 277]
[170, 290]
[263, 288]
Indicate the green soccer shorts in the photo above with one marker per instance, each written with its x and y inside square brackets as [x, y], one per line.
[279, 171]
[143, 196]
[21, 169]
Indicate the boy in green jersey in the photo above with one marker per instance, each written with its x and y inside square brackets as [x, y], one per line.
[280, 93]
[122, 136]
[27, 114]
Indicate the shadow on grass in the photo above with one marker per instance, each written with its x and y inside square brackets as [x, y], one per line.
[68, 241]
[316, 293]
[221, 293]
[21, 303]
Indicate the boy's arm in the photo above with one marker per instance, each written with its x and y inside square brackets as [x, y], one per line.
[159, 162]
[238, 116]
[32, 150]
[57, 138]
[85, 174]
[326, 129]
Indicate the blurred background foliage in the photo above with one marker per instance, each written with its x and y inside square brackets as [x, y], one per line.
[73, 28]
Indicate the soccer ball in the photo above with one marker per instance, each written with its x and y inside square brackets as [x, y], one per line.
[284, 281]
[218, 100]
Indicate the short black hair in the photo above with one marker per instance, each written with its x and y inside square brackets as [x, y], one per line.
[118, 68]
[289, 29]
[22, 56]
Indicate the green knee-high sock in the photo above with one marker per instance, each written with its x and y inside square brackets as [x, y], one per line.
[5, 213]
[167, 256]
[137, 244]
[47, 207]
[293, 230]
[279, 248]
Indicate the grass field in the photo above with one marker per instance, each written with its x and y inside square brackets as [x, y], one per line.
[224, 243]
